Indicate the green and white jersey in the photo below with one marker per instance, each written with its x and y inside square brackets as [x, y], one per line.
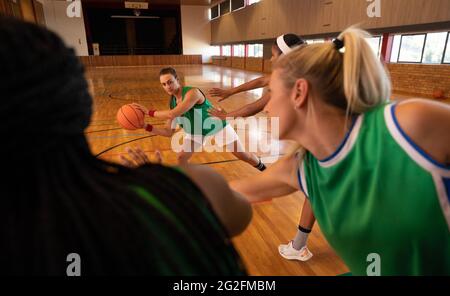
[197, 120]
[380, 193]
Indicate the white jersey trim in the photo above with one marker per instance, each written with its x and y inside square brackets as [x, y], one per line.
[415, 155]
[347, 146]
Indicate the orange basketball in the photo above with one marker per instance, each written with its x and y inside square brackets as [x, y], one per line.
[130, 118]
[438, 94]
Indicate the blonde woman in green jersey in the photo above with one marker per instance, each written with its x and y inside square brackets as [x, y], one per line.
[376, 174]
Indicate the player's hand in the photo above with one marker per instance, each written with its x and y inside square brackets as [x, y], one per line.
[221, 93]
[137, 157]
[218, 112]
[141, 108]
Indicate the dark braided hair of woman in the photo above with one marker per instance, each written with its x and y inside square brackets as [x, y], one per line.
[58, 199]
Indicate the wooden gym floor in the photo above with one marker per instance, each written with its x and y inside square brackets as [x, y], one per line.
[273, 223]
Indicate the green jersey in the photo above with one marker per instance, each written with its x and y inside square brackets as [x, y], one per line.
[197, 120]
[379, 193]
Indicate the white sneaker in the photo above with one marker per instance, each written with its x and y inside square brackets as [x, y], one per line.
[288, 252]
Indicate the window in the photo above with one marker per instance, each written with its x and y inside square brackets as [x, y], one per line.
[237, 4]
[316, 41]
[411, 48]
[255, 50]
[239, 50]
[250, 2]
[215, 50]
[434, 48]
[395, 48]
[226, 50]
[426, 48]
[375, 44]
[447, 52]
[214, 12]
[224, 7]
[313, 41]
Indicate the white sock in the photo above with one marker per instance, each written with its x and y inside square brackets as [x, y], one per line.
[300, 238]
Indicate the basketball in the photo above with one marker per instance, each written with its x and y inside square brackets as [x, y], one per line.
[438, 94]
[130, 118]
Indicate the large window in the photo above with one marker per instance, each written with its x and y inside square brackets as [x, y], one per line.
[395, 48]
[214, 12]
[250, 2]
[239, 50]
[229, 5]
[237, 4]
[215, 50]
[426, 48]
[375, 44]
[226, 50]
[255, 50]
[411, 48]
[313, 41]
[225, 7]
[434, 48]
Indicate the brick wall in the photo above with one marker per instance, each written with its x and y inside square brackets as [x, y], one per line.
[238, 63]
[420, 80]
[267, 66]
[254, 64]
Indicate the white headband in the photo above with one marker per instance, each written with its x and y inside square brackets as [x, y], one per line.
[285, 49]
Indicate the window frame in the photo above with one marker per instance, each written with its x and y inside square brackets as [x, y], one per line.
[446, 47]
[231, 50]
[392, 47]
[443, 54]
[423, 47]
[397, 58]
[219, 47]
[244, 47]
[218, 12]
[380, 44]
[242, 7]
[257, 57]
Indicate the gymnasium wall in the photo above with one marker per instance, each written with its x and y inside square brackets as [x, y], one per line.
[324, 18]
[196, 30]
[271, 18]
[70, 29]
[140, 60]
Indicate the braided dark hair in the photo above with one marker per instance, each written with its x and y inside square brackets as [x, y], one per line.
[57, 198]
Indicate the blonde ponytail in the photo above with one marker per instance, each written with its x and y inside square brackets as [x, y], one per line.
[366, 82]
